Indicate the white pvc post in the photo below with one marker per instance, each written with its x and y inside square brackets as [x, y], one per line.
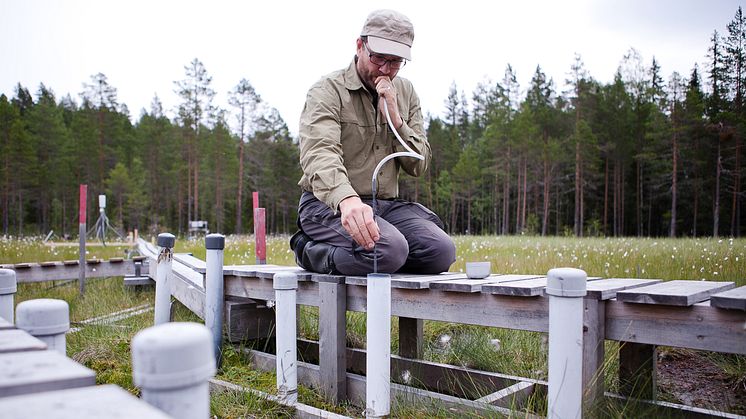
[166, 243]
[215, 243]
[8, 289]
[566, 288]
[47, 320]
[378, 343]
[172, 364]
[286, 285]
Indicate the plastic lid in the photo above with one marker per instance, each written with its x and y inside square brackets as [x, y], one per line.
[285, 281]
[172, 355]
[566, 282]
[43, 316]
[7, 281]
[215, 242]
[166, 240]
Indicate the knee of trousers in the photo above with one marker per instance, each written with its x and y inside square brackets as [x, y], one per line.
[392, 253]
[437, 256]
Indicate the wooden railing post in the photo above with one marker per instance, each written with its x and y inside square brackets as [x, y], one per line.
[637, 370]
[333, 337]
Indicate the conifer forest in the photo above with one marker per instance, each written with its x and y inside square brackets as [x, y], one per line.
[647, 154]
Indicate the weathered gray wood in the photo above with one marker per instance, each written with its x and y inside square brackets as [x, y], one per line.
[524, 288]
[54, 271]
[308, 375]
[475, 285]
[245, 320]
[410, 337]
[187, 293]
[509, 396]
[637, 370]
[696, 327]
[607, 289]
[410, 281]
[594, 321]
[257, 289]
[675, 293]
[39, 371]
[105, 401]
[734, 299]
[17, 340]
[333, 338]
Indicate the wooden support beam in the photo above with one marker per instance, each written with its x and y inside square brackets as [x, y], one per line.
[333, 338]
[247, 319]
[510, 396]
[410, 337]
[637, 370]
[594, 321]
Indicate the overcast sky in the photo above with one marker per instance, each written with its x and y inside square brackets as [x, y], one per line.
[282, 47]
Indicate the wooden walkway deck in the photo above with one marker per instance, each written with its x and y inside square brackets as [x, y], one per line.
[641, 313]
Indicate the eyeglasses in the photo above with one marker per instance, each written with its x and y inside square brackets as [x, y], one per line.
[380, 60]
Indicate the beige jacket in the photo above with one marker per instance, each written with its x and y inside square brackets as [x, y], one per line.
[343, 137]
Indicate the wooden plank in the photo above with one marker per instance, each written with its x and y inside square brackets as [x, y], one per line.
[675, 293]
[509, 396]
[95, 402]
[734, 299]
[93, 261]
[50, 264]
[333, 338]
[190, 261]
[695, 327]
[39, 371]
[607, 289]
[70, 270]
[24, 265]
[409, 281]
[524, 288]
[594, 322]
[116, 260]
[246, 320]
[70, 262]
[16, 340]
[475, 285]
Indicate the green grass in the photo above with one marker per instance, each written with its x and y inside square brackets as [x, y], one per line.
[106, 348]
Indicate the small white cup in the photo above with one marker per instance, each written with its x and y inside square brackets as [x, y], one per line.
[477, 270]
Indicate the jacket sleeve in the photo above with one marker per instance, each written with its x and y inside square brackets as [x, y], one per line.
[412, 132]
[321, 148]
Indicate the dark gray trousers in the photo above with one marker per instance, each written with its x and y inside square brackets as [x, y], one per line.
[412, 238]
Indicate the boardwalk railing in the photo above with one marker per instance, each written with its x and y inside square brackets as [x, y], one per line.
[640, 313]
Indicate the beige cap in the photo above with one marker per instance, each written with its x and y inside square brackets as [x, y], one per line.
[389, 32]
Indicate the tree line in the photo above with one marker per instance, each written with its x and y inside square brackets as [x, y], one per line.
[640, 155]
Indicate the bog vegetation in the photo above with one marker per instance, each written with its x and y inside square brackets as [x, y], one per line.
[647, 154]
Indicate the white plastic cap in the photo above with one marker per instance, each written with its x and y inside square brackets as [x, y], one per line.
[43, 317]
[7, 281]
[172, 355]
[285, 281]
[566, 282]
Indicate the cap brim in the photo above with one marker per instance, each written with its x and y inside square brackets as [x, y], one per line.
[386, 47]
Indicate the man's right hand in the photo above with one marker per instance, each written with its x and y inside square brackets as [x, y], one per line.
[357, 219]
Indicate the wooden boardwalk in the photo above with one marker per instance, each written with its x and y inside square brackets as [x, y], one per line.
[640, 313]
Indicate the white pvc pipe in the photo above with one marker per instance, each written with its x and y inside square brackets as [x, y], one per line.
[47, 320]
[566, 288]
[8, 289]
[172, 364]
[215, 243]
[286, 285]
[166, 243]
[378, 343]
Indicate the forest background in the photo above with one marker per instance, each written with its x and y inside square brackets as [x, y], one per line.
[644, 155]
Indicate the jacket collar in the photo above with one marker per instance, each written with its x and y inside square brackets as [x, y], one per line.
[352, 80]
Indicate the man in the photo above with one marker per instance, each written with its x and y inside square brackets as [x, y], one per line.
[343, 136]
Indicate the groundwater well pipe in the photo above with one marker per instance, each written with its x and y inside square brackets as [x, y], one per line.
[172, 364]
[214, 297]
[166, 243]
[378, 344]
[8, 288]
[286, 286]
[566, 288]
[46, 319]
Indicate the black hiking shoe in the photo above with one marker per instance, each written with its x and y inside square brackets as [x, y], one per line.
[311, 255]
[297, 244]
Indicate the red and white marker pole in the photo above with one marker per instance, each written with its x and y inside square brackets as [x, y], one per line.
[260, 231]
[81, 237]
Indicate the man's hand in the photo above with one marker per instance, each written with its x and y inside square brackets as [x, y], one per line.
[357, 219]
[387, 91]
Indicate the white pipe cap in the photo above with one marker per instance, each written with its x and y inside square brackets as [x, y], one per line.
[172, 355]
[566, 282]
[43, 316]
[285, 281]
[7, 281]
